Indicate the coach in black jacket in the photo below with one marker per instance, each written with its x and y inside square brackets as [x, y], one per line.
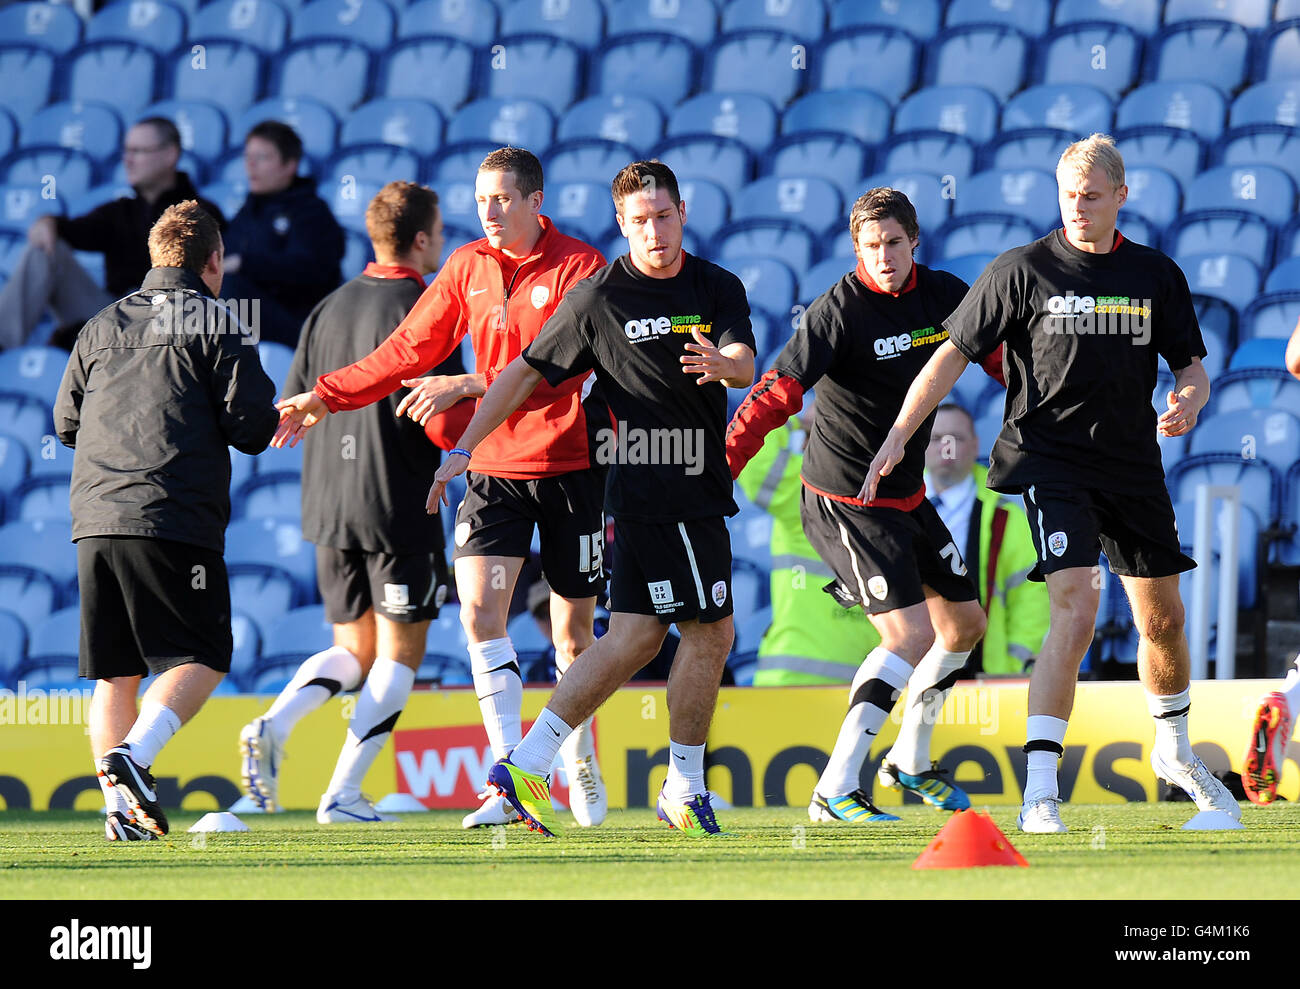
[159, 384]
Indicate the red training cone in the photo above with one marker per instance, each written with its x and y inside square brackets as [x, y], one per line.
[968, 839]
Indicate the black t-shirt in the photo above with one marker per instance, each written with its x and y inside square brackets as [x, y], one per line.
[861, 349]
[632, 329]
[1083, 333]
[366, 473]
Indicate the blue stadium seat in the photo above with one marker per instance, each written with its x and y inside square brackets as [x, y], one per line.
[336, 73]
[695, 21]
[203, 126]
[1267, 435]
[836, 157]
[1286, 10]
[1028, 16]
[811, 201]
[619, 68]
[152, 23]
[55, 640]
[276, 360]
[380, 163]
[982, 233]
[970, 111]
[42, 546]
[924, 190]
[271, 545]
[588, 161]
[583, 209]
[783, 240]
[247, 646]
[91, 127]
[1034, 147]
[930, 151]
[27, 419]
[1179, 152]
[821, 276]
[1153, 194]
[52, 27]
[1247, 559]
[1288, 240]
[243, 466]
[72, 171]
[1248, 13]
[34, 371]
[1213, 52]
[262, 593]
[404, 71]
[708, 206]
[26, 79]
[452, 174]
[8, 132]
[527, 638]
[523, 123]
[769, 284]
[1260, 189]
[296, 636]
[581, 22]
[1219, 320]
[1232, 230]
[1276, 102]
[227, 196]
[620, 117]
[280, 460]
[20, 205]
[1256, 388]
[14, 460]
[128, 71]
[1287, 551]
[805, 19]
[13, 646]
[406, 123]
[42, 497]
[745, 117]
[967, 267]
[884, 60]
[1259, 352]
[1070, 55]
[471, 21]
[1262, 144]
[858, 113]
[1076, 107]
[1285, 277]
[315, 122]
[919, 18]
[1229, 277]
[1029, 193]
[274, 496]
[1142, 16]
[228, 74]
[28, 594]
[368, 22]
[1190, 106]
[264, 24]
[762, 62]
[544, 69]
[996, 55]
[1260, 482]
[1270, 316]
[719, 159]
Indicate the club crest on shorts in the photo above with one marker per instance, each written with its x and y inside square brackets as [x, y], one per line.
[720, 593]
[1057, 543]
[397, 595]
[879, 587]
[462, 533]
[541, 294]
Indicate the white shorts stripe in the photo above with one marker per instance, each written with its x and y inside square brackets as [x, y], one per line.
[1042, 538]
[844, 538]
[695, 570]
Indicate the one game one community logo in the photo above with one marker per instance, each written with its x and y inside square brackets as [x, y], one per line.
[892, 346]
[654, 327]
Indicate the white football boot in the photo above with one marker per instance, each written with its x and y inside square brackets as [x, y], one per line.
[1197, 782]
[260, 756]
[1043, 816]
[359, 810]
[495, 810]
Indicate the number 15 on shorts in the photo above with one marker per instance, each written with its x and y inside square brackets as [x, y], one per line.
[591, 556]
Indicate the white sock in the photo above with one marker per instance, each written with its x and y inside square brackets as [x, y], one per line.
[378, 707]
[500, 691]
[872, 696]
[685, 772]
[318, 679]
[580, 745]
[537, 751]
[113, 799]
[1040, 776]
[1170, 714]
[1291, 690]
[927, 688]
[152, 730]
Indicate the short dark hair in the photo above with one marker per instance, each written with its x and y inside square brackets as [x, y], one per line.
[524, 165]
[399, 211]
[955, 407]
[883, 204]
[644, 176]
[166, 131]
[285, 138]
[184, 237]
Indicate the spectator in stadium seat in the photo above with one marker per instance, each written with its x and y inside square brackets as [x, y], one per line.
[48, 276]
[284, 246]
[993, 534]
[156, 389]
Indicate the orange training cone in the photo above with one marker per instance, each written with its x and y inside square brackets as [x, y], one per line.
[967, 840]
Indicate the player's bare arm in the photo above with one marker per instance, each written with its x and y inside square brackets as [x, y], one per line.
[297, 415]
[437, 393]
[733, 365]
[1191, 392]
[931, 385]
[509, 391]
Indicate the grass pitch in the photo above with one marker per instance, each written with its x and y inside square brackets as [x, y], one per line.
[1111, 852]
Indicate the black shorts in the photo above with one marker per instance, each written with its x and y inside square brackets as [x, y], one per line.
[1072, 526]
[884, 558]
[148, 605]
[410, 587]
[676, 571]
[498, 514]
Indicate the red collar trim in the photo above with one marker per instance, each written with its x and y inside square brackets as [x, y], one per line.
[869, 282]
[1119, 239]
[376, 270]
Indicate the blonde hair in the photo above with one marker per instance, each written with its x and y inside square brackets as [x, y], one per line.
[1095, 151]
[184, 237]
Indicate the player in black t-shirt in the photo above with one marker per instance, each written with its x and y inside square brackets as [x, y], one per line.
[664, 332]
[1084, 314]
[860, 344]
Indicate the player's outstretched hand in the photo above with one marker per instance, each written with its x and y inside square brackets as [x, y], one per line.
[297, 415]
[429, 396]
[453, 466]
[706, 360]
[891, 452]
[1179, 419]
